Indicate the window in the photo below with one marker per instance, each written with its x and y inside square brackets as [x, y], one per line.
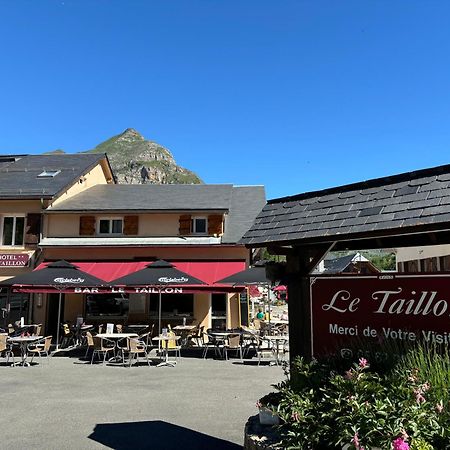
[107, 305]
[13, 227]
[199, 225]
[48, 173]
[110, 226]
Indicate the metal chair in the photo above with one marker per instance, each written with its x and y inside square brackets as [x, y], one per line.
[101, 349]
[40, 347]
[233, 342]
[137, 347]
[5, 348]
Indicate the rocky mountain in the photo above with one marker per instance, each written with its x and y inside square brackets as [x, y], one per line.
[136, 160]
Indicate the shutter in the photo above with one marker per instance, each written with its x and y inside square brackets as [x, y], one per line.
[32, 230]
[215, 225]
[185, 225]
[131, 225]
[87, 225]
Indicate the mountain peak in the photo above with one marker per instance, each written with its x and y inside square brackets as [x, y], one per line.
[130, 134]
[136, 160]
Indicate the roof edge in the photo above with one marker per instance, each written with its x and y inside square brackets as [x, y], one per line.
[373, 182]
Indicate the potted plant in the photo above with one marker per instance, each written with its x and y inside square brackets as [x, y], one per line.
[268, 406]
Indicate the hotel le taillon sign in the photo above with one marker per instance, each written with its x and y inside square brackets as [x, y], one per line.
[351, 310]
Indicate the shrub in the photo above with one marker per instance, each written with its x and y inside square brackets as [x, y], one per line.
[405, 407]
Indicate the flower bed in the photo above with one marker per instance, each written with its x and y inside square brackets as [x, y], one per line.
[405, 406]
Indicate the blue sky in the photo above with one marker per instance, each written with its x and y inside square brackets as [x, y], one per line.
[295, 95]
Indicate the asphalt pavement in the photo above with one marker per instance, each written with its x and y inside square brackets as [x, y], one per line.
[69, 404]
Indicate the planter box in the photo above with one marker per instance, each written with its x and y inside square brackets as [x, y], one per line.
[267, 417]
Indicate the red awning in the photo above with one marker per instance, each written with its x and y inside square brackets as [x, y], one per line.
[207, 271]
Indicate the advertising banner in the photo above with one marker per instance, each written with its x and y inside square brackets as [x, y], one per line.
[347, 310]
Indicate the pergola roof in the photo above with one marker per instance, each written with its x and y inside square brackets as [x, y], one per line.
[413, 202]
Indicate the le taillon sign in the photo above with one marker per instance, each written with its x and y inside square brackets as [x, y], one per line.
[350, 309]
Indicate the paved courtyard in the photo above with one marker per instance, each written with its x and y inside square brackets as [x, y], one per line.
[199, 404]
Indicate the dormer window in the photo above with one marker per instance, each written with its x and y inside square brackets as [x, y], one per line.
[199, 225]
[110, 225]
[48, 173]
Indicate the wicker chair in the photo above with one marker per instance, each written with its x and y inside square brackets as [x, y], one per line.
[101, 349]
[89, 343]
[234, 342]
[5, 348]
[40, 347]
[137, 347]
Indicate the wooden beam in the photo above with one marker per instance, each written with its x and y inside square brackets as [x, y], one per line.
[280, 250]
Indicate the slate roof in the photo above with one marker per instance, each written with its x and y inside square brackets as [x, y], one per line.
[241, 203]
[246, 203]
[369, 208]
[18, 177]
[149, 197]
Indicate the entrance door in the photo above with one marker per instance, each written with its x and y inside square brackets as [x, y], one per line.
[52, 314]
[219, 311]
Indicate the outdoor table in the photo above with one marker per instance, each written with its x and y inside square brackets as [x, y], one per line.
[116, 337]
[23, 341]
[276, 340]
[167, 338]
[220, 338]
[184, 330]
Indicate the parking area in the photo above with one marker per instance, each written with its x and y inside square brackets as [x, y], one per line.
[68, 404]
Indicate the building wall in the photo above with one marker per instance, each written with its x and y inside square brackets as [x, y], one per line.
[68, 225]
[233, 312]
[95, 176]
[124, 254]
[202, 309]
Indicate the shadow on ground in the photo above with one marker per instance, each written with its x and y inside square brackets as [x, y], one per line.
[156, 435]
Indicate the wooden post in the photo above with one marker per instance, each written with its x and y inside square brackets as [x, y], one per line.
[300, 263]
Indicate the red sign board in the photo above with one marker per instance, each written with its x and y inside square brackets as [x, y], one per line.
[400, 307]
[14, 259]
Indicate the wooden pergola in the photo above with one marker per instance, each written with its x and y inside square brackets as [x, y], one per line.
[409, 209]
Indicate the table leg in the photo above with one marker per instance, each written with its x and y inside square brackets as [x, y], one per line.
[166, 361]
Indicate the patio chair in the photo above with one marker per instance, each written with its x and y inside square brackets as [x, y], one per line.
[197, 335]
[233, 342]
[210, 342]
[172, 345]
[89, 343]
[102, 346]
[136, 348]
[250, 340]
[265, 349]
[40, 347]
[5, 348]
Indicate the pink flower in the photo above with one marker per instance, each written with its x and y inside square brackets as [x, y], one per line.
[420, 398]
[295, 417]
[363, 363]
[258, 404]
[355, 440]
[439, 407]
[400, 444]
[349, 374]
